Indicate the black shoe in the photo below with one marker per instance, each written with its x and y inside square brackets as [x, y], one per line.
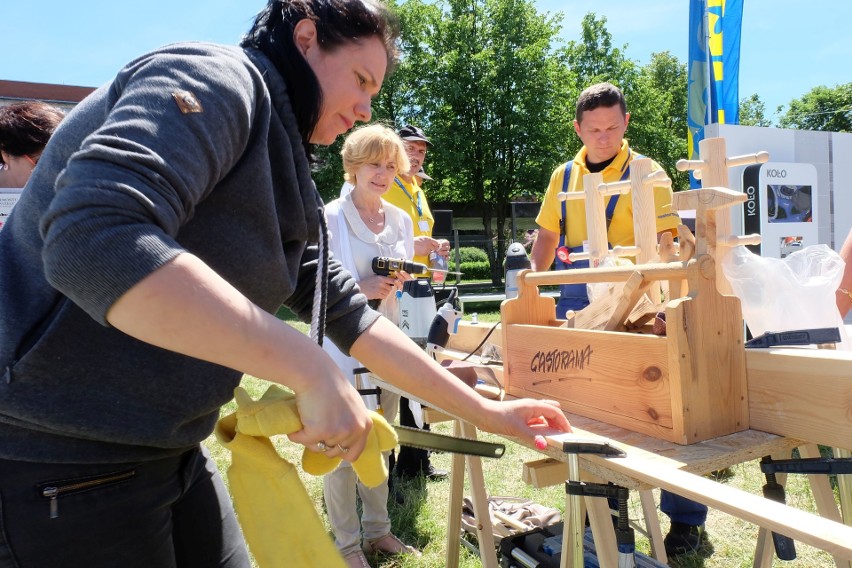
[429, 473]
[687, 539]
[433, 474]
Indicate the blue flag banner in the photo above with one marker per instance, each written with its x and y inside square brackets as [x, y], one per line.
[714, 66]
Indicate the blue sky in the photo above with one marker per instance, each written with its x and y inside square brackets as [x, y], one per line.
[786, 50]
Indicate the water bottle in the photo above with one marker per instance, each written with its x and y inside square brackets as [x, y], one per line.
[516, 260]
[417, 309]
[439, 264]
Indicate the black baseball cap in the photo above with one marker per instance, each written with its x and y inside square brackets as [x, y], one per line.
[410, 132]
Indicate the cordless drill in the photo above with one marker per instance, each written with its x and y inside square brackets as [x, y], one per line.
[384, 266]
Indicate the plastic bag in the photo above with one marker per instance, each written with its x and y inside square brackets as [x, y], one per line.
[597, 290]
[783, 294]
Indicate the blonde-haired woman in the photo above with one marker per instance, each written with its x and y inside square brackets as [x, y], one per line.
[362, 227]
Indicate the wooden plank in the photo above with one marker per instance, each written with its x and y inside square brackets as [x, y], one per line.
[714, 153]
[634, 288]
[615, 376]
[468, 335]
[808, 528]
[801, 393]
[544, 473]
[529, 306]
[661, 271]
[706, 356]
[699, 458]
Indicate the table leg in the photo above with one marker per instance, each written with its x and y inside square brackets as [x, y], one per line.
[573, 525]
[764, 552]
[455, 505]
[652, 525]
[484, 531]
[600, 520]
[844, 485]
[823, 496]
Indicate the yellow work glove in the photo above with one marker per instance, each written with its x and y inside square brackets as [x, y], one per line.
[276, 413]
[278, 518]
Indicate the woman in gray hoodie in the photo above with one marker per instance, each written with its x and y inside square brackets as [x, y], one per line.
[169, 217]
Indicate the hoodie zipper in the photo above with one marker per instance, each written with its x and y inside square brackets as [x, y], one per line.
[53, 490]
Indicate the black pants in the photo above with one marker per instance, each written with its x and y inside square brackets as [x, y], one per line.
[169, 513]
[411, 461]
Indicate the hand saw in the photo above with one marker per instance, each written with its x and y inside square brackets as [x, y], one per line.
[431, 441]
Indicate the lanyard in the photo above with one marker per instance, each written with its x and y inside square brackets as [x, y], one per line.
[408, 195]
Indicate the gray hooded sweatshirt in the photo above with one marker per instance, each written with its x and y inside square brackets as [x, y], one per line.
[193, 147]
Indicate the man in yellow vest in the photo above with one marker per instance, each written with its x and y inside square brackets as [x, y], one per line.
[406, 193]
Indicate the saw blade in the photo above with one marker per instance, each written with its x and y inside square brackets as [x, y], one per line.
[441, 443]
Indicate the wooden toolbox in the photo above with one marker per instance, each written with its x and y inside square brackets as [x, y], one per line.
[685, 387]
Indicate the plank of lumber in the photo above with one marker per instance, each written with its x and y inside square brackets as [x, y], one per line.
[834, 537]
[634, 288]
[468, 335]
[699, 458]
[651, 468]
[801, 393]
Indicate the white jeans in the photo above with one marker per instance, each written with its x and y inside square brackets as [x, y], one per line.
[341, 489]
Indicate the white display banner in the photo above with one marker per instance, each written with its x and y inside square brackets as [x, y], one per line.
[780, 206]
[8, 198]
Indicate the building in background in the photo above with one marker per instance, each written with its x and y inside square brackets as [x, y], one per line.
[63, 96]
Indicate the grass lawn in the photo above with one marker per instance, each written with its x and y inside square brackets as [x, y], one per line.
[421, 521]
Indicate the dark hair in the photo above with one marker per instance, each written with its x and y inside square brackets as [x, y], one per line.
[26, 127]
[600, 95]
[338, 22]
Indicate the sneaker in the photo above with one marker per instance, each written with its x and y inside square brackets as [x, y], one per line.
[687, 539]
[356, 560]
[389, 545]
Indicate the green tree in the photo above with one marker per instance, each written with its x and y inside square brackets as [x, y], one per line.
[753, 112]
[822, 108]
[657, 107]
[495, 107]
[403, 92]
[655, 93]
[593, 59]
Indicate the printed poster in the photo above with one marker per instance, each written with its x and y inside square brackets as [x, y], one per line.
[8, 198]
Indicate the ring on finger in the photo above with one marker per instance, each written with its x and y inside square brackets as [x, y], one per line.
[342, 449]
[322, 446]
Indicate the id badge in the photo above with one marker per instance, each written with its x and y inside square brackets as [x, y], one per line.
[424, 225]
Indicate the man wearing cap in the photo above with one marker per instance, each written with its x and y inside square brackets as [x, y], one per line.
[406, 193]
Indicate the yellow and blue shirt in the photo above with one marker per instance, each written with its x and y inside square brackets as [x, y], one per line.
[620, 232]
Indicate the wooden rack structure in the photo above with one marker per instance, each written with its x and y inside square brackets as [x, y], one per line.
[694, 387]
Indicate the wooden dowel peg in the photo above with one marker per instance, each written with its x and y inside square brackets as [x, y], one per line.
[759, 158]
[569, 195]
[736, 240]
[686, 165]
